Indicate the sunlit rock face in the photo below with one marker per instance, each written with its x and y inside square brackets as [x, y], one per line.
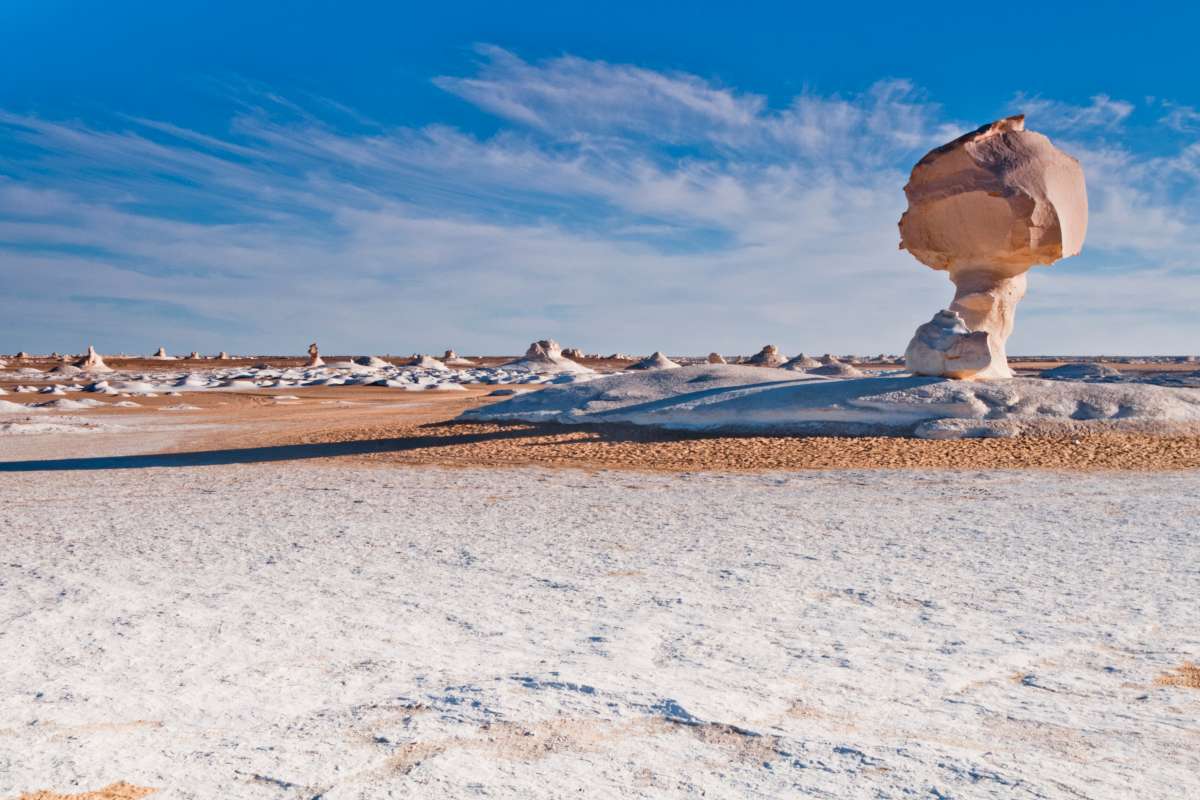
[985, 208]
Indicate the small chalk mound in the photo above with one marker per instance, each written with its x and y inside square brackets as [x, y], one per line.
[656, 360]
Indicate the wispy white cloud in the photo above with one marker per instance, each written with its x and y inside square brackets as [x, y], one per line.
[1184, 119]
[618, 208]
[1102, 112]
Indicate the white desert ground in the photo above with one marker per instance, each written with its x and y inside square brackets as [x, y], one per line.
[221, 580]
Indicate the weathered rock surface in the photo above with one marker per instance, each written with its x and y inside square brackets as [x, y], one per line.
[716, 358]
[945, 346]
[987, 207]
[314, 356]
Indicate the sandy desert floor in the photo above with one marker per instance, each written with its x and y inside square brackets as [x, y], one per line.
[340, 593]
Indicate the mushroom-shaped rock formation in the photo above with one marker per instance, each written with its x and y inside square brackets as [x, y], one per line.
[92, 362]
[223, 356]
[426, 362]
[314, 356]
[801, 362]
[545, 356]
[716, 358]
[769, 356]
[985, 208]
[656, 360]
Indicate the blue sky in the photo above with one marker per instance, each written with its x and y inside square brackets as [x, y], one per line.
[393, 178]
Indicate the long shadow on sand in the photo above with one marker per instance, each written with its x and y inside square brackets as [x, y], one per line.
[259, 455]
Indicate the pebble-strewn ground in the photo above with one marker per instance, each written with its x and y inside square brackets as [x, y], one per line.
[639, 448]
[341, 630]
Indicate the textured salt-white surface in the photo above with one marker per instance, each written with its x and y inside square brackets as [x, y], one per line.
[728, 397]
[295, 631]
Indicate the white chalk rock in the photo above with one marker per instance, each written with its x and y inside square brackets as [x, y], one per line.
[545, 356]
[426, 362]
[716, 358]
[314, 356]
[945, 346]
[987, 207]
[769, 356]
[657, 360]
[92, 362]
[802, 362]
[573, 353]
[454, 359]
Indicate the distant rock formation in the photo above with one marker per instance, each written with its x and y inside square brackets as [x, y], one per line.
[23, 354]
[801, 362]
[314, 356]
[371, 361]
[829, 358]
[716, 358]
[769, 356]
[426, 362]
[656, 360]
[223, 356]
[160, 353]
[92, 362]
[986, 208]
[454, 359]
[546, 356]
[573, 353]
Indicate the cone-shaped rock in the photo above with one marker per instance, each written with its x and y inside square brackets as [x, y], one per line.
[656, 360]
